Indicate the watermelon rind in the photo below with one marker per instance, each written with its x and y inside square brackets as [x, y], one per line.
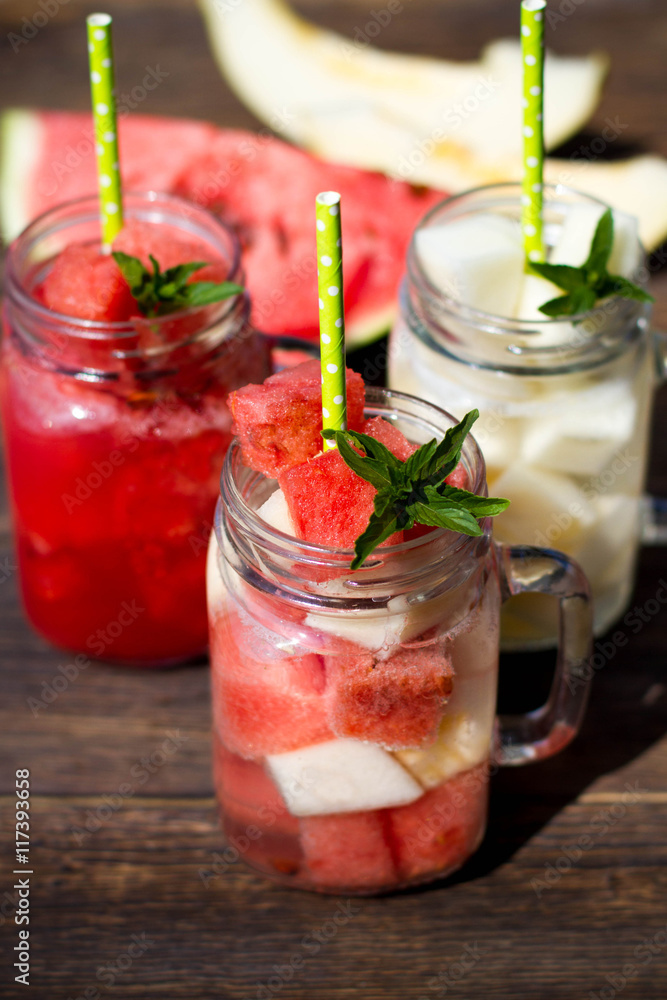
[20, 142]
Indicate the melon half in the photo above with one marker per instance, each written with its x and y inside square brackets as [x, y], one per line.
[260, 185]
[450, 125]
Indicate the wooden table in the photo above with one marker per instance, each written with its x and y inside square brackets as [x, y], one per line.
[527, 918]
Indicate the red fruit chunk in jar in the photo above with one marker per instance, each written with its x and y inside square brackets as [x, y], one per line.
[328, 502]
[247, 794]
[142, 239]
[268, 705]
[88, 285]
[347, 850]
[397, 702]
[279, 422]
[439, 831]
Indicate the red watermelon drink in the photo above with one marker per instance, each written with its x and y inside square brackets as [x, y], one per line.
[354, 710]
[116, 426]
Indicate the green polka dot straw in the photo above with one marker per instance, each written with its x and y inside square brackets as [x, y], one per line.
[106, 134]
[532, 53]
[332, 320]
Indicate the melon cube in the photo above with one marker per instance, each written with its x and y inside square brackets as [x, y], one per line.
[477, 260]
[545, 508]
[341, 776]
[279, 422]
[88, 285]
[143, 239]
[397, 702]
[438, 832]
[574, 242]
[349, 851]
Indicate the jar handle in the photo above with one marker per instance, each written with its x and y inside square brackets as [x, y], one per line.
[546, 730]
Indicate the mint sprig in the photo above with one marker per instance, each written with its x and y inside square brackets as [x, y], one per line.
[588, 284]
[161, 292]
[413, 491]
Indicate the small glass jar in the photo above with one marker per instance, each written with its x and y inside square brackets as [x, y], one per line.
[564, 413]
[115, 434]
[355, 712]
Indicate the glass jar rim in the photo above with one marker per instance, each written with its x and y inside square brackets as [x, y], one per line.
[493, 322]
[448, 545]
[106, 330]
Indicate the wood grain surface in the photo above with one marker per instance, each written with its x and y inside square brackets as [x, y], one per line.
[527, 917]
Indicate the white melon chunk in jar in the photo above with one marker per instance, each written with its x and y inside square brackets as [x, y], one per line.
[276, 513]
[582, 435]
[574, 242]
[545, 508]
[476, 260]
[535, 292]
[611, 542]
[341, 776]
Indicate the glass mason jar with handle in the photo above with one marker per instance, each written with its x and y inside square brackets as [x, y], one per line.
[115, 433]
[355, 712]
[564, 410]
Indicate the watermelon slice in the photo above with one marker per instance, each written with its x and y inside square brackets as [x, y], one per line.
[439, 831]
[397, 702]
[262, 186]
[348, 851]
[279, 422]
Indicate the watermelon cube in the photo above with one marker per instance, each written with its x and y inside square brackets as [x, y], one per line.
[439, 831]
[279, 422]
[347, 851]
[328, 502]
[397, 702]
[247, 794]
[143, 239]
[264, 703]
[88, 285]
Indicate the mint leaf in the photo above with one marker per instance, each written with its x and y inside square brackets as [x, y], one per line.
[595, 264]
[591, 282]
[159, 293]
[562, 275]
[414, 490]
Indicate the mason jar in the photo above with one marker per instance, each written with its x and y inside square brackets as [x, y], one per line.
[564, 405]
[354, 712]
[115, 433]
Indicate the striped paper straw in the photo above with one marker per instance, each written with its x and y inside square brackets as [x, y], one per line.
[332, 320]
[532, 53]
[106, 132]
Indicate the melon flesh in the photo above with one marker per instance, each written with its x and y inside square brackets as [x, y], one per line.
[341, 776]
[397, 701]
[477, 260]
[279, 423]
[439, 831]
[576, 234]
[89, 285]
[265, 701]
[347, 851]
